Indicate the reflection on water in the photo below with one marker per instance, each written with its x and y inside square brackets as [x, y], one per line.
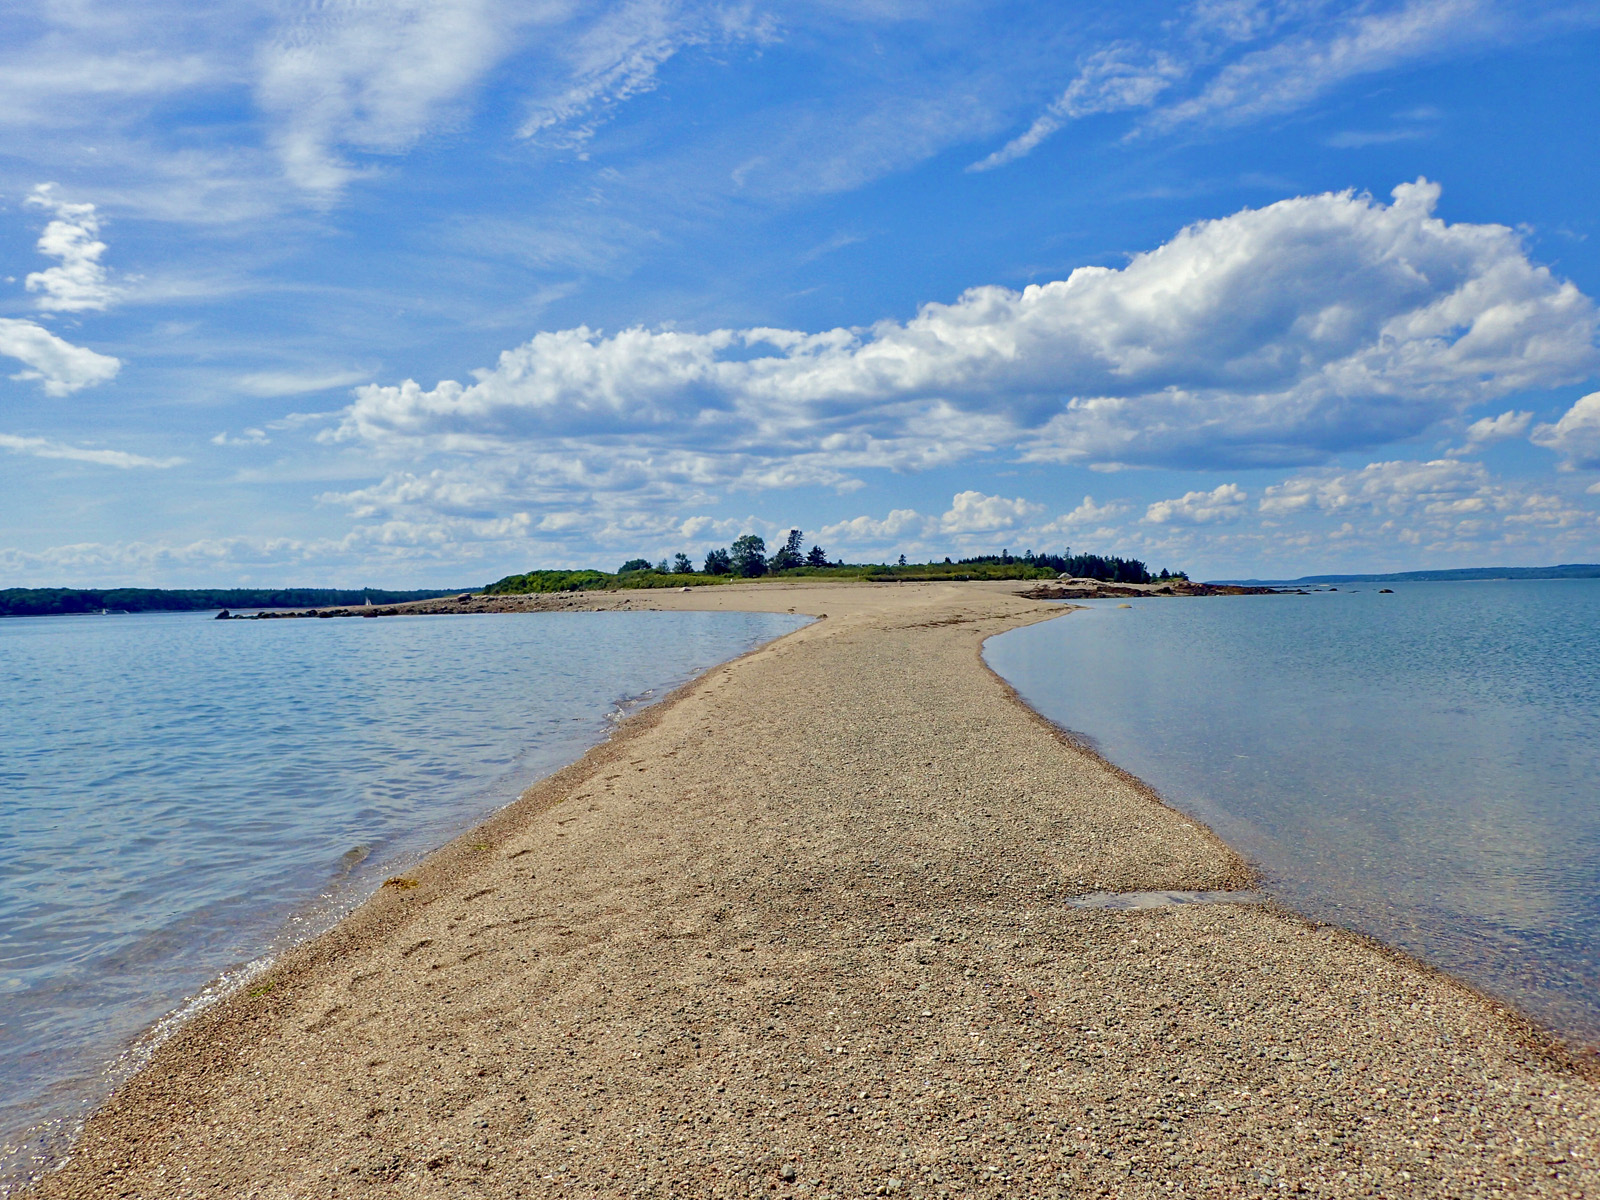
[1423, 766]
[178, 795]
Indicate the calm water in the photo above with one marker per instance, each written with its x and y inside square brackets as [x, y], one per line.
[1422, 766]
[181, 796]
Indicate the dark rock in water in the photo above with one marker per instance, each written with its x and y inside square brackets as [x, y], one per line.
[224, 615]
[1385, 591]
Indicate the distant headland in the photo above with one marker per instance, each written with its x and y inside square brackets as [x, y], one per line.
[1462, 574]
[45, 602]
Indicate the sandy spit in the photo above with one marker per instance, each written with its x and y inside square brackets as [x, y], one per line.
[803, 931]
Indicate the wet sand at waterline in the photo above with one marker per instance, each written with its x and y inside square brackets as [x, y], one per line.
[805, 929]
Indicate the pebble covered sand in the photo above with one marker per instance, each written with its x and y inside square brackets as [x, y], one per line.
[804, 930]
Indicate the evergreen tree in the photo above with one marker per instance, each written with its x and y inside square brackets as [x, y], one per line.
[718, 562]
[789, 555]
[681, 564]
[817, 557]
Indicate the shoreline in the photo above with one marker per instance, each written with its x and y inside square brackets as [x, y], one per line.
[212, 1065]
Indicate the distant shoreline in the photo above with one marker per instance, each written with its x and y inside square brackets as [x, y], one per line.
[1459, 575]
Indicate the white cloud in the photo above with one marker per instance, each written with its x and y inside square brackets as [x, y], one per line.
[973, 512]
[1117, 78]
[37, 447]
[1309, 51]
[1488, 430]
[394, 550]
[870, 530]
[1576, 436]
[1222, 503]
[1444, 496]
[1090, 513]
[1357, 139]
[62, 367]
[250, 437]
[80, 283]
[1276, 335]
[376, 77]
[1297, 70]
[618, 56]
[298, 383]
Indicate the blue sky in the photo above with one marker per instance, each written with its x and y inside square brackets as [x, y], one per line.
[424, 293]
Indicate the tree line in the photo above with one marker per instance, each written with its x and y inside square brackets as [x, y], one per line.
[1106, 568]
[746, 559]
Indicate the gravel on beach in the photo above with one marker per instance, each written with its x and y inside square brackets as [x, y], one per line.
[804, 930]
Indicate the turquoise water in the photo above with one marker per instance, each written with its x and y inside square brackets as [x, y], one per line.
[180, 797]
[1423, 766]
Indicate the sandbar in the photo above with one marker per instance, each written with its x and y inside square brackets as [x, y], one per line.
[804, 929]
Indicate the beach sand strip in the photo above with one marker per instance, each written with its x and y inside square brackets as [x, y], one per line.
[803, 930]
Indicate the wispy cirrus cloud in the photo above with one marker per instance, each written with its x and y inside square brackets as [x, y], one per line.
[1118, 78]
[617, 57]
[38, 447]
[1298, 69]
[347, 75]
[1241, 62]
[298, 382]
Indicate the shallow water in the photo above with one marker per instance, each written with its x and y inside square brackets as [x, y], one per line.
[1422, 766]
[180, 796]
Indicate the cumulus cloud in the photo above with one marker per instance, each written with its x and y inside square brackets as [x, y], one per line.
[1486, 431]
[1222, 503]
[38, 447]
[80, 283]
[1444, 497]
[974, 521]
[1279, 335]
[868, 530]
[973, 512]
[59, 365]
[1090, 513]
[1395, 486]
[1576, 436]
[393, 549]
